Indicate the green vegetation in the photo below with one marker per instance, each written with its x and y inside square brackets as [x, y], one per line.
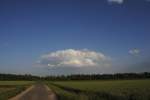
[102, 90]
[11, 88]
[61, 94]
[124, 86]
[9, 83]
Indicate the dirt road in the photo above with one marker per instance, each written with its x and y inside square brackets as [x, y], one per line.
[36, 92]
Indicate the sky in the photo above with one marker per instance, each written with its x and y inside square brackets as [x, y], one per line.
[52, 37]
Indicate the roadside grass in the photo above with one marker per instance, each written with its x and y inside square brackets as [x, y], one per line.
[9, 89]
[9, 83]
[102, 90]
[65, 95]
[61, 94]
[12, 92]
[3, 89]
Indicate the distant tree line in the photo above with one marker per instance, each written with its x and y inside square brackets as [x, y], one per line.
[18, 77]
[116, 76]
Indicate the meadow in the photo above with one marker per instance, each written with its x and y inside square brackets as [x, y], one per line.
[102, 90]
[9, 89]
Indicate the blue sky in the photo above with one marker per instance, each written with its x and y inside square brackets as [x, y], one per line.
[30, 29]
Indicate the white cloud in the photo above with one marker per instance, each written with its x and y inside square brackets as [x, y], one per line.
[74, 58]
[116, 1]
[134, 51]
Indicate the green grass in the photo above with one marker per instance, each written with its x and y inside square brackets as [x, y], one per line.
[3, 89]
[65, 95]
[102, 90]
[11, 88]
[15, 82]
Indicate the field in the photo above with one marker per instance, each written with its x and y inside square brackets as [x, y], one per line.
[85, 90]
[102, 90]
[11, 88]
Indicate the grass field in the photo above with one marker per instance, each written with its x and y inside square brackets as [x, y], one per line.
[102, 90]
[12, 88]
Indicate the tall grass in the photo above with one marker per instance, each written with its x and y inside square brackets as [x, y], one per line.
[9, 89]
[12, 92]
[102, 90]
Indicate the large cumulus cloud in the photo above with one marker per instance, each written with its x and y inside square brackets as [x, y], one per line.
[74, 58]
